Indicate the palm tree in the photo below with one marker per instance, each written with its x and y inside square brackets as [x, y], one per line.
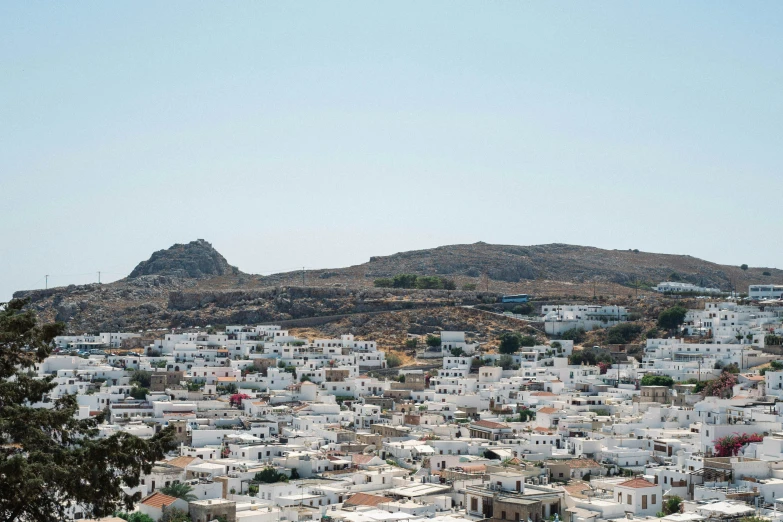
[179, 490]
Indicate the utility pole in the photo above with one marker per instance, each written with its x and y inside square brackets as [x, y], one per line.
[99, 277]
[46, 287]
[303, 277]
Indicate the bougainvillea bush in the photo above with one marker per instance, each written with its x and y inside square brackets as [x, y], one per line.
[730, 445]
[721, 387]
[237, 398]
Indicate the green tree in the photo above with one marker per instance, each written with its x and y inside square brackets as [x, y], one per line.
[433, 341]
[510, 342]
[51, 459]
[411, 343]
[505, 361]
[457, 352]
[623, 333]
[522, 309]
[671, 318]
[527, 340]
[469, 287]
[657, 380]
[179, 490]
[383, 282]
[270, 475]
[744, 266]
[429, 282]
[139, 393]
[672, 505]
[393, 360]
[141, 378]
[404, 281]
[574, 334]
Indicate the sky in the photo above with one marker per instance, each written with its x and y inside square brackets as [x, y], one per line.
[318, 134]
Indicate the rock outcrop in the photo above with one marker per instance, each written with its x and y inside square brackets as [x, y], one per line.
[197, 259]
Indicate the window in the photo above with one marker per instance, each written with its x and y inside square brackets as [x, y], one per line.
[644, 501]
[628, 499]
[653, 500]
[473, 504]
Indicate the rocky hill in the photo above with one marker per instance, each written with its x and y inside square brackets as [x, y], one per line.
[197, 259]
[569, 263]
[193, 285]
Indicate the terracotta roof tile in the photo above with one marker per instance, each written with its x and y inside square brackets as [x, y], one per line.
[637, 483]
[548, 410]
[365, 499]
[158, 499]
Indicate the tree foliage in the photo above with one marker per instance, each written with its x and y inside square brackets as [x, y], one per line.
[623, 333]
[270, 476]
[433, 341]
[505, 361]
[51, 460]
[414, 281]
[591, 356]
[774, 366]
[672, 317]
[522, 309]
[179, 490]
[510, 342]
[672, 505]
[393, 360]
[574, 334]
[657, 380]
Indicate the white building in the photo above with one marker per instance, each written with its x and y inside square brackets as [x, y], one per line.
[760, 292]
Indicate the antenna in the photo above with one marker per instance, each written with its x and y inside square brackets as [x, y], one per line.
[303, 276]
[47, 282]
[99, 277]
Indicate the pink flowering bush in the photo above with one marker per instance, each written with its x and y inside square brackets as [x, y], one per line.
[721, 387]
[730, 445]
[237, 398]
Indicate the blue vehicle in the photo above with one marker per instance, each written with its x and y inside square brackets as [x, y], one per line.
[518, 298]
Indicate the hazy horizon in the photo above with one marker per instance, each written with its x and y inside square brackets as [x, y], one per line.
[319, 135]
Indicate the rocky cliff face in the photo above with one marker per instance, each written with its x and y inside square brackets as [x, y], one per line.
[197, 259]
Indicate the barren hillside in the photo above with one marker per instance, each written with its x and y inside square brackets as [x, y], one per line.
[193, 285]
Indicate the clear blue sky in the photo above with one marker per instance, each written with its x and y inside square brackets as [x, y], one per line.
[318, 134]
